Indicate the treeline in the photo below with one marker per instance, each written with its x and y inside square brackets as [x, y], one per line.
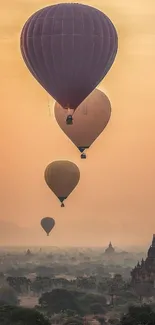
[93, 283]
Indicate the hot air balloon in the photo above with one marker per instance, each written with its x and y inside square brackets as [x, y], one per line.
[62, 177]
[69, 48]
[91, 118]
[47, 224]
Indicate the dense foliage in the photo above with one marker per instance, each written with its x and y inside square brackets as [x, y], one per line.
[10, 315]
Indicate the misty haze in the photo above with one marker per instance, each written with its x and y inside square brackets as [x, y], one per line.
[77, 139]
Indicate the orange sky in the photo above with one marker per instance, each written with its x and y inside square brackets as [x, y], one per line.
[115, 197]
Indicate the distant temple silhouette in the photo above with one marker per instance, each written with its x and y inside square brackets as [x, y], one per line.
[28, 253]
[144, 272]
[110, 250]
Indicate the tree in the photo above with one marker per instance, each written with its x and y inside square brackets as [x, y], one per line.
[61, 282]
[100, 319]
[114, 321]
[95, 298]
[88, 283]
[8, 296]
[41, 284]
[61, 300]
[90, 299]
[58, 300]
[118, 278]
[19, 284]
[102, 287]
[63, 317]
[139, 315]
[97, 308]
[70, 313]
[58, 318]
[73, 321]
[21, 316]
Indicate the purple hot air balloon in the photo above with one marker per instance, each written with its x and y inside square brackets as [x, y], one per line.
[69, 49]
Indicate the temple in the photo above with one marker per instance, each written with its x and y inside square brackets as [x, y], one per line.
[145, 271]
[109, 250]
[28, 253]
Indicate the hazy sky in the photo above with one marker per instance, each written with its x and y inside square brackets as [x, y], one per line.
[115, 199]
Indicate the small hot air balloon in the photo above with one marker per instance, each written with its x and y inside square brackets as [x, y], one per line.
[62, 177]
[91, 118]
[47, 224]
[69, 48]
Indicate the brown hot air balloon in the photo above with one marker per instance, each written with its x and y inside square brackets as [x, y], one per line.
[90, 119]
[62, 177]
[47, 224]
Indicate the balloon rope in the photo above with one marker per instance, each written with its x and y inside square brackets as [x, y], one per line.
[73, 112]
[49, 108]
[85, 109]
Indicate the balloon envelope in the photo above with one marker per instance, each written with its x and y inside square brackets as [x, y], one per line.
[90, 119]
[62, 177]
[47, 224]
[69, 48]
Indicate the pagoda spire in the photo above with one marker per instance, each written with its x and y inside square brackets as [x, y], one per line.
[153, 240]
[110, 249]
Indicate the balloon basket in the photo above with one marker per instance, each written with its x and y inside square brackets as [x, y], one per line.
[83, 156]
[69, 120]
[62, 205]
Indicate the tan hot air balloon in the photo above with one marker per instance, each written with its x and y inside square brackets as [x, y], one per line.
[62, 177]
[90, 119]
